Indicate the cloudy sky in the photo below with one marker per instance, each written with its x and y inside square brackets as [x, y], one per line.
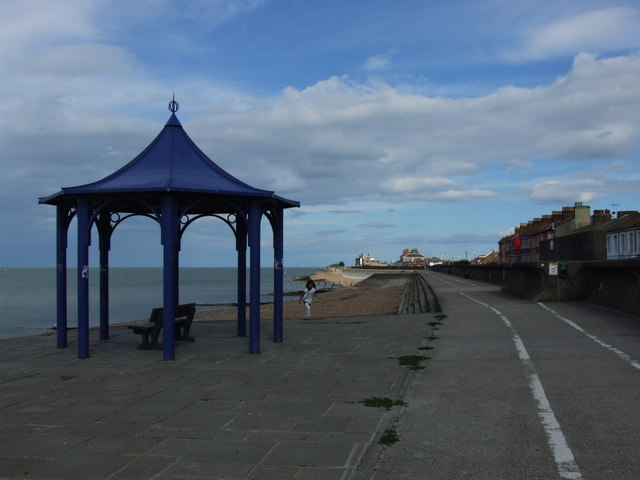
[406, 124]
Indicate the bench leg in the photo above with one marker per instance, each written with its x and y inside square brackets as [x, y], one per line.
[185, 335]
[182, 333]
[145, 345]
[148, 345]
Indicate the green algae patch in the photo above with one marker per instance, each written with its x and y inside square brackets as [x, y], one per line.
[411, 361]
[432, 338]
[426, 348]
[389, 437]
[382, 402]
[434, 324]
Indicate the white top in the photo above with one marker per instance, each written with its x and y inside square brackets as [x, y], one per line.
[307, 295]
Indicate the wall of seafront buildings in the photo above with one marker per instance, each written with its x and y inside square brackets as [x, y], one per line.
[573, 234]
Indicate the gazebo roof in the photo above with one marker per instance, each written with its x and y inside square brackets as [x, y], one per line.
[171, 163]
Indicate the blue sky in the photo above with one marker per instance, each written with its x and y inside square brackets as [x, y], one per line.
[407, 124]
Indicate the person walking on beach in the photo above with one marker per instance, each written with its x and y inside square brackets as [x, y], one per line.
[307, 297]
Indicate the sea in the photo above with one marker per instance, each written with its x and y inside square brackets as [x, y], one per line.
[28, 295]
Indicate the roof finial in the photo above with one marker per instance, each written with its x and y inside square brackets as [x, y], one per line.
[173, 105]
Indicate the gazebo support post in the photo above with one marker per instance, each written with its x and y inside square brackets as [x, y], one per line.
[84, 240]
[61, 275]
[170, 251]
[241, 247]
[176, 269]
[255, 215]
[278, 274]
[104, 231]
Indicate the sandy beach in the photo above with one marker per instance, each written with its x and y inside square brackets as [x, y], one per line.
[358, 297]
[341, 277]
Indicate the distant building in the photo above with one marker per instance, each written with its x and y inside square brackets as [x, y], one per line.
[484, 259]
[413, 258]
[368, 261]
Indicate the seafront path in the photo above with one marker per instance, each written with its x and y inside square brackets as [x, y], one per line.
[510, 389]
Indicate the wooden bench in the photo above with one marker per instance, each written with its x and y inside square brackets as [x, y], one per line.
[150, 331]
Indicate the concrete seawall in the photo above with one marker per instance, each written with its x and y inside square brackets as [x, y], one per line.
[617, 288]
[613, 284]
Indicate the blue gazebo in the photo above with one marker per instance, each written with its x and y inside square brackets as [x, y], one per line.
[174, 183]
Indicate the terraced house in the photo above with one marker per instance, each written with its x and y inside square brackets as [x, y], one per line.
[574, 234]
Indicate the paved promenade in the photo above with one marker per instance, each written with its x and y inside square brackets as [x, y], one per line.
[512, 390]
[520, 390]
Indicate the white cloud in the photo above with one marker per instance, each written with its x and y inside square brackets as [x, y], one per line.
[340, 140]
[462, 195]
[378, 224]
[36, 23]
[585, 186]
[80, 60]
[598, 31]
[412, 183]
[378, 62]
[351, 140]
[565, 192]
[519, 164]
[432, 189]
[284, 180]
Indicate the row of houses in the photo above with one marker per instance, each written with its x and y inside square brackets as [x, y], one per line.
[574, 234]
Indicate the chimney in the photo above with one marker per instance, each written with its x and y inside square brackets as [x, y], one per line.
[567, 212]
[581, 215]
[601, 216]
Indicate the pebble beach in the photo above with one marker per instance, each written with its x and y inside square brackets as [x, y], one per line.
[360, 294]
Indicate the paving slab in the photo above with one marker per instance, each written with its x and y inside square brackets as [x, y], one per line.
[217, 412]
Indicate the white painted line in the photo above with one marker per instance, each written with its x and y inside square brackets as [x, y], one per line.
[443, 280]
[611, 348]
[454, 279]
[562, 454]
